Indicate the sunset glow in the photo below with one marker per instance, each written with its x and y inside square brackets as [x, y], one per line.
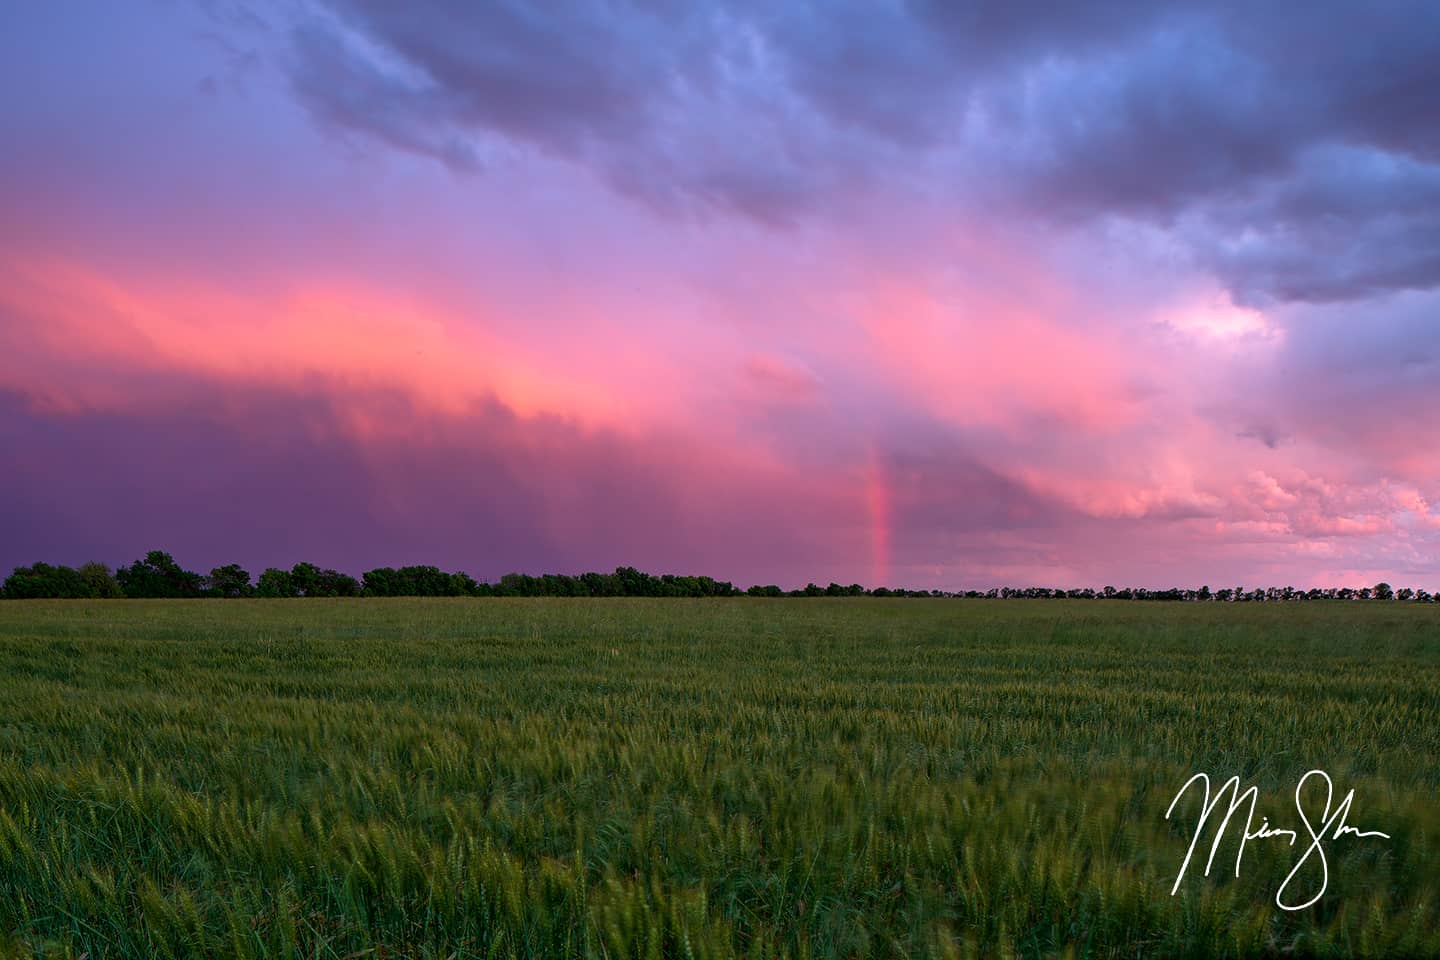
[775, 303]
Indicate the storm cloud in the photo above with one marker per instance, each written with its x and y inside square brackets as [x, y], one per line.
[1260, 134]
[926, 293]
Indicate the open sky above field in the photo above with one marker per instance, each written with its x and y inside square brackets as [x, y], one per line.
[927, 294]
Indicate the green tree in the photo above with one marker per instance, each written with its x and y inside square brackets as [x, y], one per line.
[100, 580]
[380, 582]
[332, 583]
[231, 580]
[306, 578]
[275, 582]
[158, 575]
[43, 581]
[517, 585]
[416, 581]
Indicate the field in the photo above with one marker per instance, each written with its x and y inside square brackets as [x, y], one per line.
[615, 778]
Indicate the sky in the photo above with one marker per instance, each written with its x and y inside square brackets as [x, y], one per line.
[928, 294]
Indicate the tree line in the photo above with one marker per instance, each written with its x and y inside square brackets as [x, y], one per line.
[157, 575]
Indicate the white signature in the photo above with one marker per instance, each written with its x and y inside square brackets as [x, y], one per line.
[1332, 826]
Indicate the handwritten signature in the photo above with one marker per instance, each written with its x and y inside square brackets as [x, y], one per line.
[1332, 826]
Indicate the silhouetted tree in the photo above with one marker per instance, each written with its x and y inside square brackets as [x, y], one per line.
[335, 584]
[158, 575]
[231, 580]
[42, 581]
[275, 582]
[100, 580]
[308, 580]
[414, 581]
[380, 582]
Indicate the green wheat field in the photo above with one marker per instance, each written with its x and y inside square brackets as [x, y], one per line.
[671, 778]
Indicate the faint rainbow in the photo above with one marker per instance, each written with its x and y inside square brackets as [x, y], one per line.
[877, 499]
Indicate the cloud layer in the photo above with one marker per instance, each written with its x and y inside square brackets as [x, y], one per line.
[931, 294]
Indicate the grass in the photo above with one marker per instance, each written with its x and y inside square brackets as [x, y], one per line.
[760, 778]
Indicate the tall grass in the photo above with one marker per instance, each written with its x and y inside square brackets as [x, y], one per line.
[617, 778]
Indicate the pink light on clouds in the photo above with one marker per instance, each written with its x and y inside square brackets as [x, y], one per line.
[996, 337]
[748, 322]
[342, 329]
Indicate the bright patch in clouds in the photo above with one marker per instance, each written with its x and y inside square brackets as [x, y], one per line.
[1215, 318]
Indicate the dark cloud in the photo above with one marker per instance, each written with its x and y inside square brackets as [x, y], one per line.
[638, 92]
[1235, 125]
[986, 35]
[557, 75]
[345, 92]
[1348, 224]
[108, 486]
[1141, 132]
[1297, 156]
[353, 480]
[356, 479]
[868, 67]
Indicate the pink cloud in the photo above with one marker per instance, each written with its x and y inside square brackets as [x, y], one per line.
[912, 393]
